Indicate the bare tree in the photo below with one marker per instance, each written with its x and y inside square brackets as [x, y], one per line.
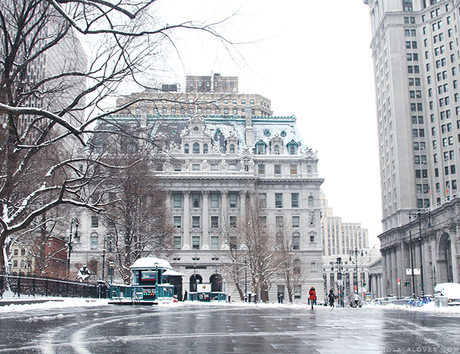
[291, 270]
[253, 244]
[135, 213]
[50, 94]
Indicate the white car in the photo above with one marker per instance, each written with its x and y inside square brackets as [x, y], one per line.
[449, 290]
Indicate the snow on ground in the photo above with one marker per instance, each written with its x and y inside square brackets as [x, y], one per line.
[20, 305]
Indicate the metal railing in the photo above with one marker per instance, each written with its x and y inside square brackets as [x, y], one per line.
[20, 285]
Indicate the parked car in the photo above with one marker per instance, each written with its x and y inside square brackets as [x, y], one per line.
[449, 290]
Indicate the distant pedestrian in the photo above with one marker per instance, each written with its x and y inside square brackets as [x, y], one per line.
[356, 300]
[312, 297]
[185, 296]
[331, 298]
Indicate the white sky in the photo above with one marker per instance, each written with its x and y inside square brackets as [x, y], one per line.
[312, 60]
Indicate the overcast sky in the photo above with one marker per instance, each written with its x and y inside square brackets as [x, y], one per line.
[312, 60]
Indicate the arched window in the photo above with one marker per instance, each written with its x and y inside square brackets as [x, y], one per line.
[292, 147]
[205, 148]
[196, 148]
[232, 148]
[186, 149]
[276, 149]
[310, 201]
[260, 147]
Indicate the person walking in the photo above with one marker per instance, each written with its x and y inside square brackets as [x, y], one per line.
[312, 297]
[356, 300]
[331, 298]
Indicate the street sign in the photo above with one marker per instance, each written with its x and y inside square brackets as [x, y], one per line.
[416, 271]
[340, 282]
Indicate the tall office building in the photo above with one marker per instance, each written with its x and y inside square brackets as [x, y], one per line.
[415, 47]
[416, 56]
[338, 237]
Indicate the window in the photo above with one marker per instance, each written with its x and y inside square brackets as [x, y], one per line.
[310, 201]
[278, 200]
[196, 242]
[94, 222]
[232, 198]
[279, 221]
[296, 241]
[177, 242]
[93, 240]
[177, 221]
[277, 169]
[263, 200]
[196, 148]
[293, 169]
[195, 167]
[214, 200]
[276, 150]
[195, 221]
[261, 169]
[233, 221]
[186, 149]
[214, 242]
[205, 146]
[177, 200]
[195, 200]
[296, 221]
[214, 221]
[294, 200]
[232, 148]
[214, 167]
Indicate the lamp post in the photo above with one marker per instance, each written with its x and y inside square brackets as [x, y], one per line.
[73, 221]
[245, 279]
[419, 215]
[411, 257]
[103, 254]
[356, 252]
[156, 279]
[111, 265]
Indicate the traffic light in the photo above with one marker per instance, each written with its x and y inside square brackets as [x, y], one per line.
[407, 283]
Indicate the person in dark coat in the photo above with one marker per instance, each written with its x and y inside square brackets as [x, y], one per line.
[331, 298]
[312, 296]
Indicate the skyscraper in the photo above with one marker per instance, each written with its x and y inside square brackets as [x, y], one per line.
[415, 47]
[416, 56]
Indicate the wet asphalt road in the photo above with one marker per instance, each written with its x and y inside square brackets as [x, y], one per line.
[227, 329]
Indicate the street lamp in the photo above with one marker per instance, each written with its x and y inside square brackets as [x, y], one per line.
[73, 221]
[103, 254]
[156, 279]
[111, 265]
[356, 252]
[245, 279]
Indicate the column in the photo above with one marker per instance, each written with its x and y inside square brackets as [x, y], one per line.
[186, 241]
[453, 251]
[384, 271]
[400, 267]
[434, 259]
[394, 270]
[205, 237]
[224, 195]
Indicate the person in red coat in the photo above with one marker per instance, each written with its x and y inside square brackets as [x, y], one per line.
[312, 296]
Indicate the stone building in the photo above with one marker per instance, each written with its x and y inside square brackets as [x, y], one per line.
[210, 165]
[415, 49]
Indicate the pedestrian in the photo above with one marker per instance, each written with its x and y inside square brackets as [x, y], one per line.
[331, 298]
[185, 296]
[312, 297]
[356, 300]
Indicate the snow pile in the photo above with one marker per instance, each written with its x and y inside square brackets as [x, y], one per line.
[53, 303]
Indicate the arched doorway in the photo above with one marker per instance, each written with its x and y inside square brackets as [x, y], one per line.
[216, 282]
[194, 279]
[444, 268]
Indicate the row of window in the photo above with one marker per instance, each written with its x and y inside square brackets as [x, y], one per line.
[215, 241]
[233, 221]
[215, 200]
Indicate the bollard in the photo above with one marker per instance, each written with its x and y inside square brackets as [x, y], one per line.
[249, 297]
[255, 298]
